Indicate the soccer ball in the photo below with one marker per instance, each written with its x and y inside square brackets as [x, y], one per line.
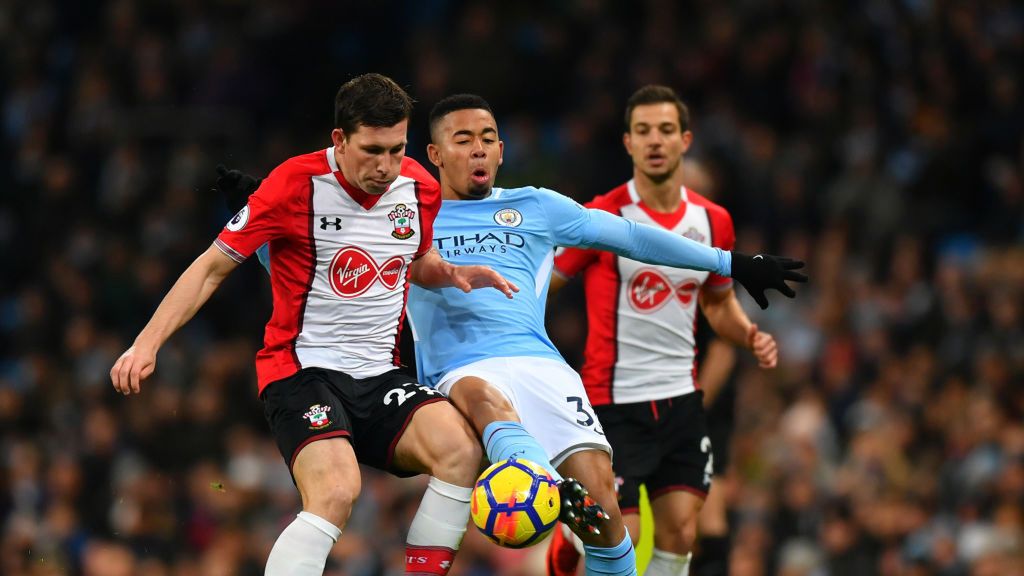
[515, 503]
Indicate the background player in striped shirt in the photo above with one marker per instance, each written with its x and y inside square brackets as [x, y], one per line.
[349, 228]
[640, 369]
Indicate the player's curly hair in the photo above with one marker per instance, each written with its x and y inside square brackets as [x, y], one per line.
[656, 94]
[370, 100]
[454, 103]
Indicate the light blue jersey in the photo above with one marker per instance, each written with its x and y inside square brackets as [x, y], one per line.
[515, 231]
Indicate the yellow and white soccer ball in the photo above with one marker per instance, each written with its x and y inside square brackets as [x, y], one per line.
[515, 503]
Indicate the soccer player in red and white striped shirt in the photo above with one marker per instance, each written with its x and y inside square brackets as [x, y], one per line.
[640, 354]
[348, 227]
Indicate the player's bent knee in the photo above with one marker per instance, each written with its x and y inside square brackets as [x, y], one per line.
[327, 475]
[481, 402]
[678, 536]
[439, 441]
[459, 459]
[332, 501]
[599, 480]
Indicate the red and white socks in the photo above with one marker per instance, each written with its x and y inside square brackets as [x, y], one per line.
[437, 529]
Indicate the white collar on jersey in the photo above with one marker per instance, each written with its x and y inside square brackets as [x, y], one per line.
[635, 196]
[331, 160]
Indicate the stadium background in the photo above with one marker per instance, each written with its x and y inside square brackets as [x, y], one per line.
[878, 140]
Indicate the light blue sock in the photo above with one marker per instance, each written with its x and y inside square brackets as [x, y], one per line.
[617, 561]
[503, 440]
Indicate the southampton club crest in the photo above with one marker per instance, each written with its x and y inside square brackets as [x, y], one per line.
[317, 417]
[402, 217]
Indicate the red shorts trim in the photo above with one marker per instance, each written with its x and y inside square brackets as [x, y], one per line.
[679, 488]
[311, 439]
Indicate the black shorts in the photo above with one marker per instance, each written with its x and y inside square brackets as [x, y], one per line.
[662, 444]
[316, 403]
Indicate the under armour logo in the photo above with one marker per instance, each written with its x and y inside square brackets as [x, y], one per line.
[324, 223]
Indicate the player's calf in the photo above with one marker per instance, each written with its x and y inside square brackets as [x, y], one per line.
[611, 551]
[327, 475]
[593, 469]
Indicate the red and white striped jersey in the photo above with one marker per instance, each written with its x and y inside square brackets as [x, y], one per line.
[641, 344]
[339, 261]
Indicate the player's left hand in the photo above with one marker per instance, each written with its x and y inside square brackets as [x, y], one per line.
[763, 271]
[467, 278]
[762, 344]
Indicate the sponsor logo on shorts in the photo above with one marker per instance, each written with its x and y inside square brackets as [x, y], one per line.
[402, 217]
[508, 217]
[238, 221]
[317, 417]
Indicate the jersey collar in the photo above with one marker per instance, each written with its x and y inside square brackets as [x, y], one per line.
[668, 220]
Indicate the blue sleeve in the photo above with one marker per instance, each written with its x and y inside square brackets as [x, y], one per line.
[573, 225]
[263, 253]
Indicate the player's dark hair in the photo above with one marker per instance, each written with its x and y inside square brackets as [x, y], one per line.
[656, 94]
[454, 103]
[370, 100]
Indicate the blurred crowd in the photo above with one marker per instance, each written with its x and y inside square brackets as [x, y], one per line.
[879, 140]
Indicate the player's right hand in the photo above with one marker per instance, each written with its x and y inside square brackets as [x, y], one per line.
[131, 369]
[762, 344]
[473, 276]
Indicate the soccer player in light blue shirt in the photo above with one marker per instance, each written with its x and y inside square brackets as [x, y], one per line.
[492, 356]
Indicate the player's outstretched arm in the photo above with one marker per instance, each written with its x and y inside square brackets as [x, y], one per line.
[433, 271]
[654, 246]
[185, 298]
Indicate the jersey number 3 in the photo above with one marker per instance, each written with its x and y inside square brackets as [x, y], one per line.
[588, 419]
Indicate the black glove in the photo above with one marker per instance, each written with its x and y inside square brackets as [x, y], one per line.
[761, 272]
[236, 187]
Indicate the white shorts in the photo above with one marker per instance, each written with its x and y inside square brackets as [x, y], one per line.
[549, 397]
